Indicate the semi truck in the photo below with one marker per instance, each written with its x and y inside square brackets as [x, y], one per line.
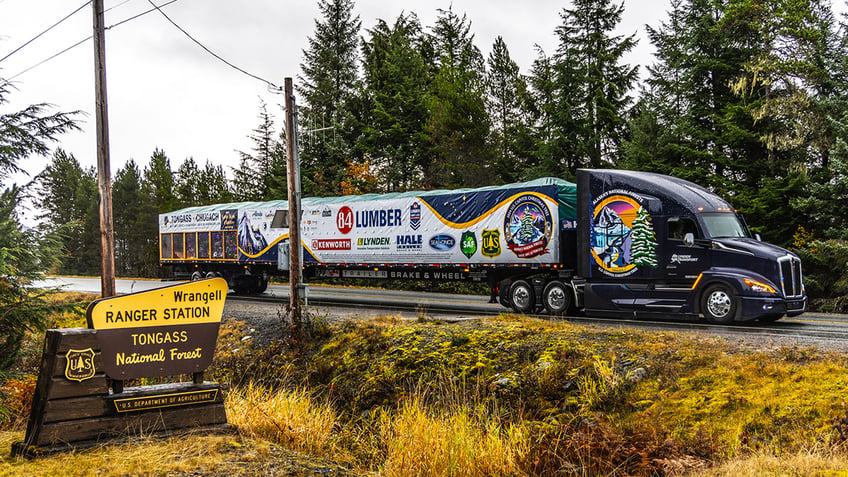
[615, 244]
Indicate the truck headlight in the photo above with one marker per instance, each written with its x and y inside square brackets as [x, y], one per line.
[759, 286]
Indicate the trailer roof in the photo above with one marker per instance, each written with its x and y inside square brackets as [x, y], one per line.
[566, 197]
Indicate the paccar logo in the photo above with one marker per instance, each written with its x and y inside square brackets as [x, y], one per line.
[442, 242]
[415, 216]
[331, 244]
[409, 242]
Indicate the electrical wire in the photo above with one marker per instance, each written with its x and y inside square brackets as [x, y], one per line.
[87, 38]
[45, 31]
[270, 84]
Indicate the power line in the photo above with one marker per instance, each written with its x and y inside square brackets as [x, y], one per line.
[270, 84]
[45, 31]
[84, 39]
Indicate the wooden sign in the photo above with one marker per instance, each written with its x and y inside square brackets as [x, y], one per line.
[162, 332]
[168, 331]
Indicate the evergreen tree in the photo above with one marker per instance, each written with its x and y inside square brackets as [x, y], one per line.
[511, 138]
[187, 182]
[159, 181]
[262, 175]
[214, 188]
[458, 125]
[24, 253]
[592, 83]
[643, 250]
[136, 224]
[328, 86]
[396, 81]
[68, 200]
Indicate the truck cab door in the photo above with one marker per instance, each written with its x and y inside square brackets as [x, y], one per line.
[685, 256]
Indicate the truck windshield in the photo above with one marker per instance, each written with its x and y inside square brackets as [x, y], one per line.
[725, 225]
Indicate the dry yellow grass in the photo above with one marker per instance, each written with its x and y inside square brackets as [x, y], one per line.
[286, 417]
[453, 444]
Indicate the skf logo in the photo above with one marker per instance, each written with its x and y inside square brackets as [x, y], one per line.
[80, 364]
[491, 243]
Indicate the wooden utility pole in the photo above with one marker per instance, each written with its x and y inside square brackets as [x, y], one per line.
[293, 166]
[104, 180]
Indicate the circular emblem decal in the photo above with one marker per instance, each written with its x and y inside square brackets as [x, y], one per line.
[622, 236]
[528, 226]
[344, 220]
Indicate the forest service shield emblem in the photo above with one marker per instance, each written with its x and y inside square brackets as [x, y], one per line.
[491, 243]
[80, 364]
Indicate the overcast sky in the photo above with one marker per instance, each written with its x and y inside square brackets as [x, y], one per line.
[166, 92]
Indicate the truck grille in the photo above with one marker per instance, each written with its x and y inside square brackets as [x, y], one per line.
[790, 276]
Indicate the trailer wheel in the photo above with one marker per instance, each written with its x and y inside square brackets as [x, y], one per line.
[557, 297]
[196, 276]
[718, 303]
[211, 275]
[522, 296]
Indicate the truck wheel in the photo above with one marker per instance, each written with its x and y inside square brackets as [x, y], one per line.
[522, 296]
[718, 303]
[196, 276]
[504, 288]
[211, 274]
[556, 297]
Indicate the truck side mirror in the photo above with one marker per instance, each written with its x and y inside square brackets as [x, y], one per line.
[689, 239]
[758, 237]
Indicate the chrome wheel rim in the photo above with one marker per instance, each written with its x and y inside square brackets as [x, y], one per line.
[719, 304]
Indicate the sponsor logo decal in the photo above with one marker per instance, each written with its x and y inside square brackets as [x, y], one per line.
[409, 242]
[344, 220]
[468, 243]
[331, 244]
[675, 258]
[378, 218]
[80, 364]
[622, 236]
[373, 243]
[415, 215]
[442, 242]
[528, 226]
[491, 243]
[326, 212]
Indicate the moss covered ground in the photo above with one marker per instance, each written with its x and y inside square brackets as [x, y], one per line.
[517, 396]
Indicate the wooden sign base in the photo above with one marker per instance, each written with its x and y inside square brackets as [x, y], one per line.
[73, 406]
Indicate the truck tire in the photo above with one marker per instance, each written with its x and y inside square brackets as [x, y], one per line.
[557, 297]
[196, 276]
[211, 275]
[522, 296]
[718, 303]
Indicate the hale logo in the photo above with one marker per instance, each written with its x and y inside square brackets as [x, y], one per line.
[415, 216]
[80, 364]
[491, 243]
[468, 243]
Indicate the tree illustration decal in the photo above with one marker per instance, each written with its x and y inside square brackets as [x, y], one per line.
[644, 242]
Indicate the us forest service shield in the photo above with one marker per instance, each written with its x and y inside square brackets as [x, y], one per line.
[80, 364]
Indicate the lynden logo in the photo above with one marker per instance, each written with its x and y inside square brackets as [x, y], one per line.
[442, 242]
[409, 242]
[80, 364]
[415, 216]
[373, 241]
[331, 244]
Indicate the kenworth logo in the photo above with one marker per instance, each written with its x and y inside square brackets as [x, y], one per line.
[442, 242]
